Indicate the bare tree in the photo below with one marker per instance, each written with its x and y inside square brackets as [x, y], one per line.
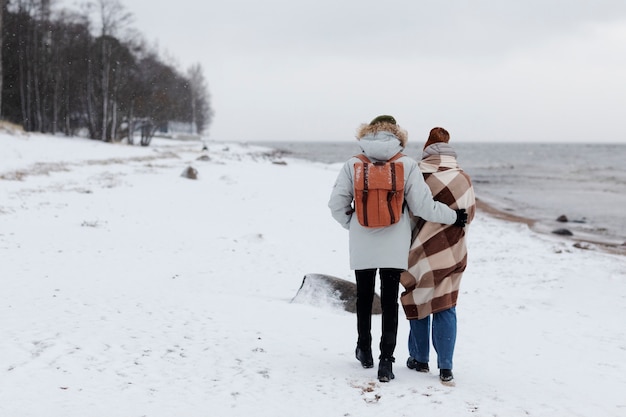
[201, 113]
[71, 44]
[25, 33]
[112, 19]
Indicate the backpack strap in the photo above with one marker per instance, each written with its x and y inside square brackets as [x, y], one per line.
[394, 190]
[392, 193]
[393, 158]
[396, 156]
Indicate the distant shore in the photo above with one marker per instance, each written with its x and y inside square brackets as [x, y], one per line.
[580, 242]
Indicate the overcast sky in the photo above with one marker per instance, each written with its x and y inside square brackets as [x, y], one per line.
[487, 70]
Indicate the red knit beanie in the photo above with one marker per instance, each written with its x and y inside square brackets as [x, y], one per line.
[437, 134]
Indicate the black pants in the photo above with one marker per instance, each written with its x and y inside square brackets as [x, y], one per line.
[389, 282]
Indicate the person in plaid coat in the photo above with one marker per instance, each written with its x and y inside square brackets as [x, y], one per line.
[437, 260]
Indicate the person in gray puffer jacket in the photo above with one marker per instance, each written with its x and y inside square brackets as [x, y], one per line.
[385, 248]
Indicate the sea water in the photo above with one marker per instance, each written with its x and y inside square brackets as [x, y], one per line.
[540, 181]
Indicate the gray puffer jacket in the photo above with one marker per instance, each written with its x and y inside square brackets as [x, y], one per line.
[384, 247]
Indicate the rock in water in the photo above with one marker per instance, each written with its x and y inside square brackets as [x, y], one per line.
[321, 289]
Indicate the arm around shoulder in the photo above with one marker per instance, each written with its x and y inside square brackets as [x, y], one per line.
[420, 199]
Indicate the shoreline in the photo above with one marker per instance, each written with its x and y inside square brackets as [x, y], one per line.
[579, 242]
[584, 236]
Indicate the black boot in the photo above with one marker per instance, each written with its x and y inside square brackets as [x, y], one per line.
[385, 372]
[412, 363]
[446, 377]
[365, 357]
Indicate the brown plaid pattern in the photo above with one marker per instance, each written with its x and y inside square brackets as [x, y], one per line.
[438, 254]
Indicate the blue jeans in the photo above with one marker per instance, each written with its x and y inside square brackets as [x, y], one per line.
[444, 338]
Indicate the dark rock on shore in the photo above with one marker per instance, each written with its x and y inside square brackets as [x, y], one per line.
[190, 172]
[564, 219]
[563, 232]
[319, 288]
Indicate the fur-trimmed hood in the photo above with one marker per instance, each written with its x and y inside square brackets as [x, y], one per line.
[395, 130]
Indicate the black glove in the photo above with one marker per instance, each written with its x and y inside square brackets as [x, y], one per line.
[461, 218]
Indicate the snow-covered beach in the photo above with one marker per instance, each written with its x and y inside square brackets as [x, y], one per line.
[129, 290]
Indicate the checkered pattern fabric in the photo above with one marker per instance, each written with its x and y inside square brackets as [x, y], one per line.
[438, 254]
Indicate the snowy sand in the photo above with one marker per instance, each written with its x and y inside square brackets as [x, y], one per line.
[128, 290]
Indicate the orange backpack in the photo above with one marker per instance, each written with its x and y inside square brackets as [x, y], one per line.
[378, 191]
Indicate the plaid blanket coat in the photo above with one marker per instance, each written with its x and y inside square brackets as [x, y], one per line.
[438, 253]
